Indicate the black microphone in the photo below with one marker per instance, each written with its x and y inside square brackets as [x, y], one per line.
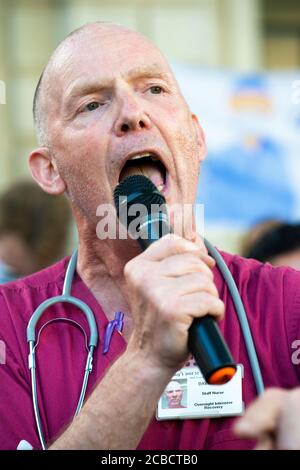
[135, 194]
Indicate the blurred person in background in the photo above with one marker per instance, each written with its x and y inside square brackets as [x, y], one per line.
[275, 242]
[273, 420]
[34, 230]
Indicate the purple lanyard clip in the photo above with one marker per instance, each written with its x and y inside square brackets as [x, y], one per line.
[116, 324]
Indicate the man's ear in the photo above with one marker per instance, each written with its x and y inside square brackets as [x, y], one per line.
[200, 138]
[44, 171]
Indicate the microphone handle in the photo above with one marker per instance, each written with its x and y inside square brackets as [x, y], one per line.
[210, 351]
[205, 340]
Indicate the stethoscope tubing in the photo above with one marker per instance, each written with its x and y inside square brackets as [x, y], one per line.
[93, 337]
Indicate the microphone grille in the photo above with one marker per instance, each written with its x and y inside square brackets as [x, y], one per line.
[138, 189]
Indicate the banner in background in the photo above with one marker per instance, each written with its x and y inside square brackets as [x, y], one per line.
[252, 127]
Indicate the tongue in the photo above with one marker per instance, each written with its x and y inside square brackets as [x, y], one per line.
[146, 169]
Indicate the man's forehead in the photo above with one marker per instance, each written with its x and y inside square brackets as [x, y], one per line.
[107, 46]
[172, 386]
[100, 53]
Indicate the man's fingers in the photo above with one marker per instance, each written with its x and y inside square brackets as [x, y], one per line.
[184, 263]
[266, 442]
[288, 435]
[200, 304]
[170, 245]
[273, 419]
[194, 282]
[261, 416]
[200, 242]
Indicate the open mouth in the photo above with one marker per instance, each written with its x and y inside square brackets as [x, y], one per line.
[147, 164]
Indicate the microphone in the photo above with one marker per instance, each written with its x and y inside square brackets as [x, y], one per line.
[205, 340]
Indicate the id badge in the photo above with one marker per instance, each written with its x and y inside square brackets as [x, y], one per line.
[188, 396]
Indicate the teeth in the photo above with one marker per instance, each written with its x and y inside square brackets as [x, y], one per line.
[143, 155]
[160, 187]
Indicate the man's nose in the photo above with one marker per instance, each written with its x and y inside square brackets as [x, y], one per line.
[132, 116]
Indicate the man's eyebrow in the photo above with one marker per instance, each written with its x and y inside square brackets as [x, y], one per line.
[85, 86]
[148, 72]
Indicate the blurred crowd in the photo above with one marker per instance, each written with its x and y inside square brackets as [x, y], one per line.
[34, 230]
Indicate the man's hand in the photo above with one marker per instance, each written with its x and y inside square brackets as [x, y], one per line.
[169, 285]
[273, 420]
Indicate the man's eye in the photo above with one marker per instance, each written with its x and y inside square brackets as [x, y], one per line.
[156, 90]
[92, 106]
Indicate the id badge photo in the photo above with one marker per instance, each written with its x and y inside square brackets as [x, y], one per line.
[188, 396]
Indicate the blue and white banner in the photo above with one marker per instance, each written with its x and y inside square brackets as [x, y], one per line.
[252, 127]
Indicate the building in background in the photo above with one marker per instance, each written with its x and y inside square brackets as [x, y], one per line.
[223, 36]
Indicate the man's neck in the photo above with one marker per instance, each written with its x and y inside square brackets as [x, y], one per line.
[100, 265]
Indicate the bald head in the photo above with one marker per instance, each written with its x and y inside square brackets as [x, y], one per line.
[76, 41]
[173, 386]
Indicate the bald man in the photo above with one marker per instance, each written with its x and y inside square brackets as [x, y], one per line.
[174, 394]
[107, 105]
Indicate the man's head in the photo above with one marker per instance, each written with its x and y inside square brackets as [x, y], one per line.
[106, 96]
[173, 393]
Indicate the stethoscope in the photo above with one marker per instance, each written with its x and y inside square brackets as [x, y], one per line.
[66, 297]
